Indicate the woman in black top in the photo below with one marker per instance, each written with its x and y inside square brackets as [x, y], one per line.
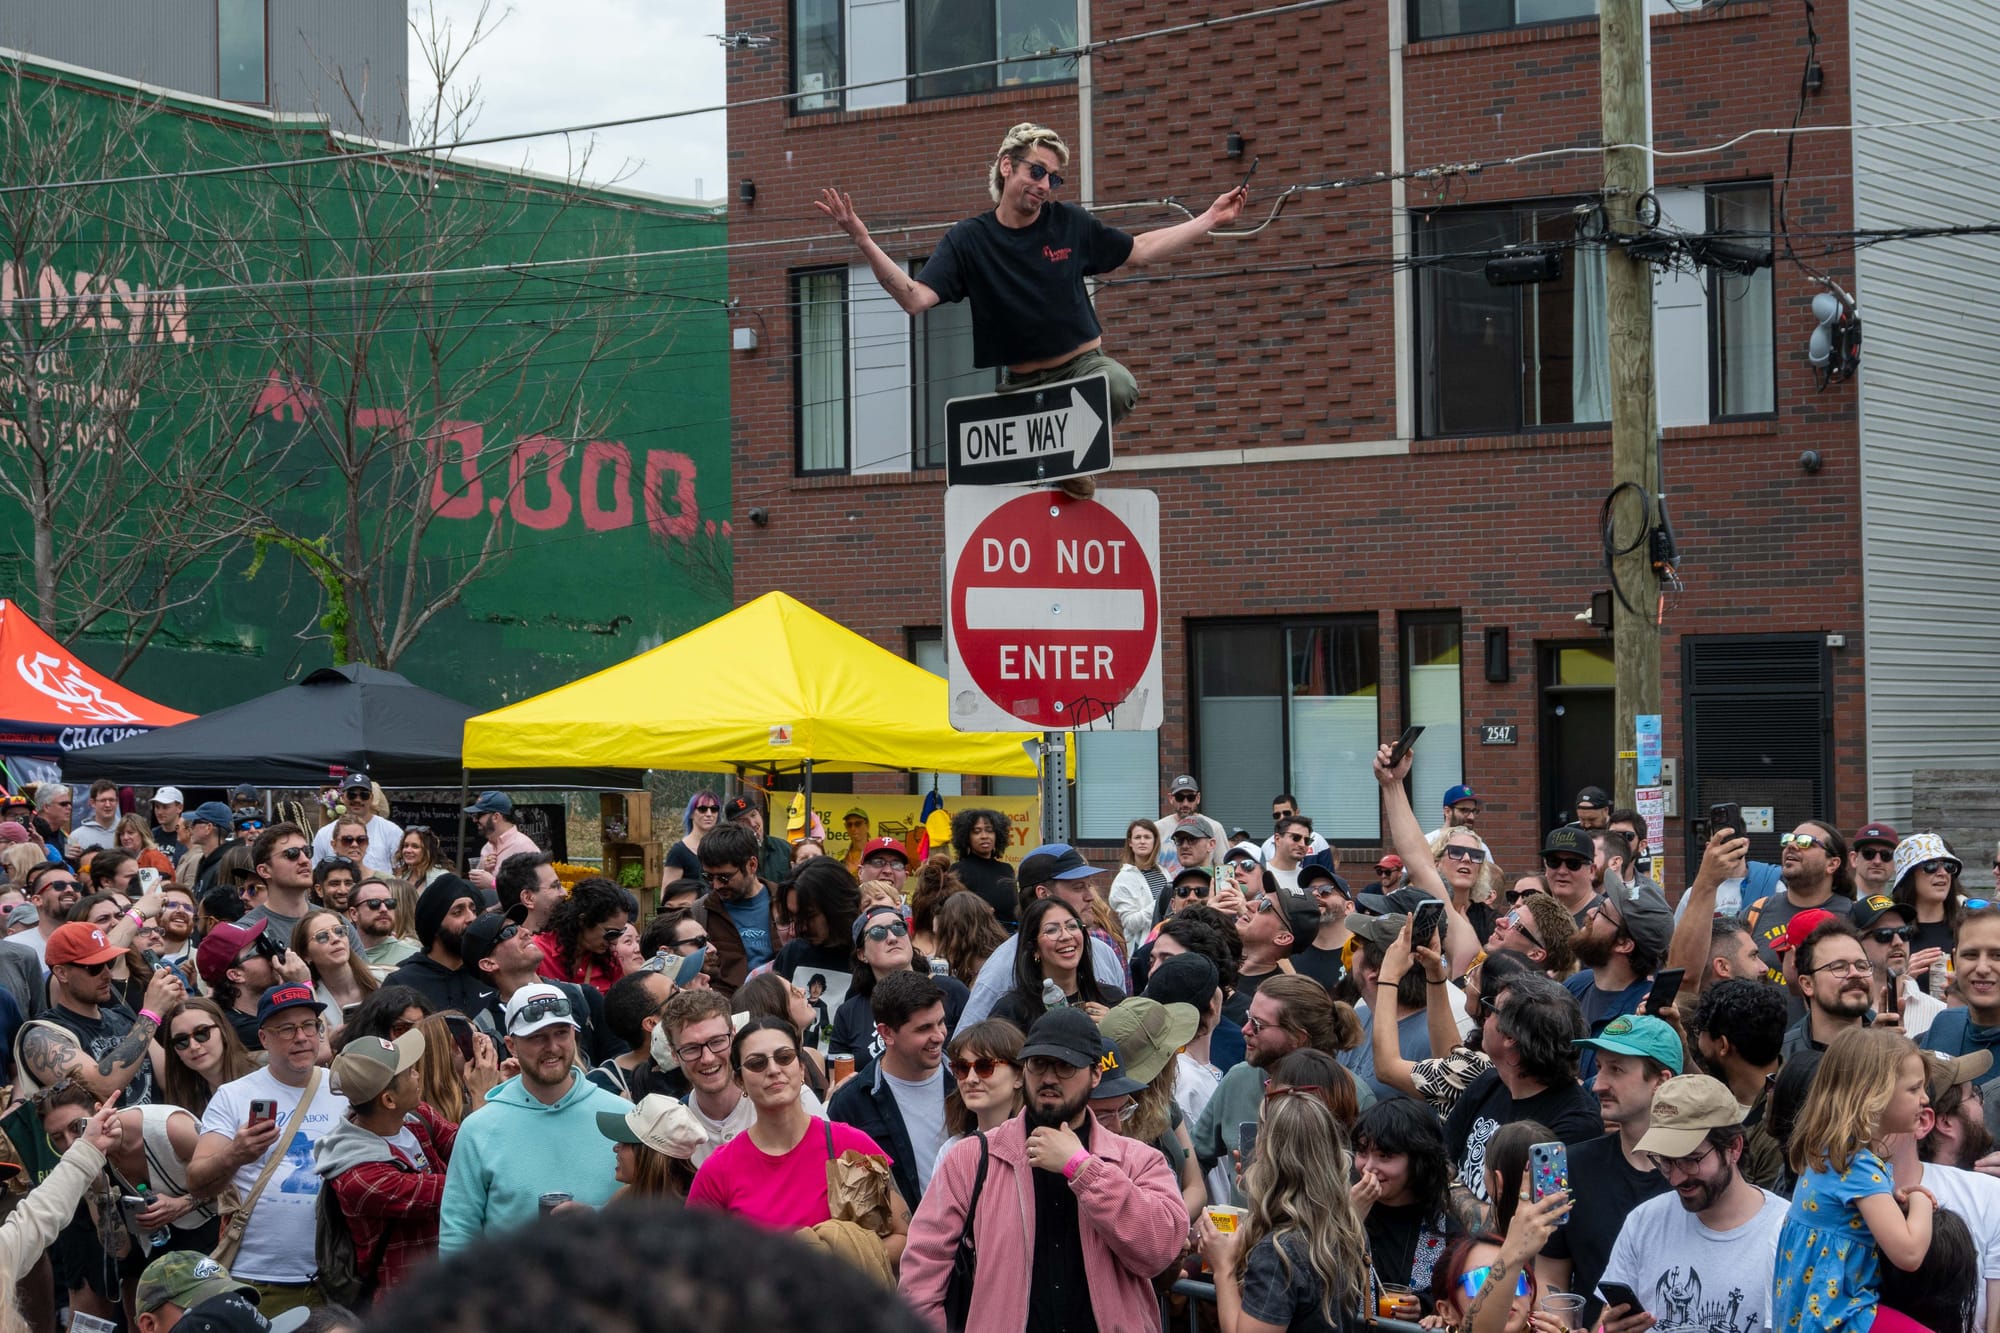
[882, 946]
[1927, 883]
[683, 861]
[979, 838]
[819, 902]
[1054, 947]
[1402, 1189]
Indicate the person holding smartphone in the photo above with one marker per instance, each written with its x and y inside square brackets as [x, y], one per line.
[1624, 938]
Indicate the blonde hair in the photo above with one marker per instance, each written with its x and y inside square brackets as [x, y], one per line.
[1020, 141]
[1297, 1186]
[1850, 1090]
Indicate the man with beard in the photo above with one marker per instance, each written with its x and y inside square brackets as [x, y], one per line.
[439, 973]
[1608, 1175]
[737, 909]
[1818, 871]
[1701, 1257]
[1887, 927]
[1926, 1159]
[1569, 865]
[177, 928]
[1836, 983]
[1052, 1272]
[282, 858]
[497, 947]
[1737, 1029]
[1624, 936]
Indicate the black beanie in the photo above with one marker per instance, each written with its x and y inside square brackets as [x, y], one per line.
[434, 905]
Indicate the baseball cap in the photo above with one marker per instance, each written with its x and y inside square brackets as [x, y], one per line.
[358, 781]
[1453, 795]
[1185, 782]
[184, 1278]
[537, 1006]
[1242, 851]
[659, 1122]
[367, 1065]
[1067, 1035]
[1572, 840]
[1406, 900]
[856, 813]
[291, 995]
[231, 1312]
[243, 791]
[1876, 906]
[1592, 798]
[492, 803]
[1942, 1073]
[738, 806]
[1380, 931]
[1194, 828]
[1685, 1108]
[1800, 926]
[1202, 873]
[1644, 910]
[1301, 915]
[213, 812]
[1639, 1034]
[1314, 873]
[1149, 1033]
[885, 845]
[1876, 831]
[80, 942]
[1391, 861]
[22, 914]
[168, 796]
[221, 947]
[1114, 1080]
[482, 937]
[1184, 978]
[1052, 860]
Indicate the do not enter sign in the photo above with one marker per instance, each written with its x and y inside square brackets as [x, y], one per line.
[1053, 605]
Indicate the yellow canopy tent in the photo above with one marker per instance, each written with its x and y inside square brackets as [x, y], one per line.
[767, 688]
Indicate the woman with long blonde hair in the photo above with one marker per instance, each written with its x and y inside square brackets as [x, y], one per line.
[1300, 1259]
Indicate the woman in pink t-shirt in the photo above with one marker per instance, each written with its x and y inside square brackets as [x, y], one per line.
[774, 1173]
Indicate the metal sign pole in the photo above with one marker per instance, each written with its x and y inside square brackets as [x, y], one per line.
[1055, 788]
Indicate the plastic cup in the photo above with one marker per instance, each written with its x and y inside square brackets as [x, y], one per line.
[1564, 1305]
[1226, 1218]
[1397, 1302]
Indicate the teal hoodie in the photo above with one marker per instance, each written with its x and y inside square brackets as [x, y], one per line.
[513, 1150]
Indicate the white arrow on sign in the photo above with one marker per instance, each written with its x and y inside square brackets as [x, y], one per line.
[1057, 430]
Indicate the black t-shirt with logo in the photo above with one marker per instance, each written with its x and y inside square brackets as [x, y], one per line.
[100, 1036]
[1026, 283]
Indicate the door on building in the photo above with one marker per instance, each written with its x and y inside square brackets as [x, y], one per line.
[1757, 715]
[1578, 703]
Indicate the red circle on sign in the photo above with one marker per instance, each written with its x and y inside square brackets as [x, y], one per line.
[1055, 612]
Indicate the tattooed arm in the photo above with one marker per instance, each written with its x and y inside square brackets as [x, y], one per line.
[50, 1054]
[53, 1054]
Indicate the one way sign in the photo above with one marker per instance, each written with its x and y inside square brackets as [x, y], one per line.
[1033, 435]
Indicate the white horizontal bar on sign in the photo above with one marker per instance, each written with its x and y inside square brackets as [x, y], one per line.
[1078, 610]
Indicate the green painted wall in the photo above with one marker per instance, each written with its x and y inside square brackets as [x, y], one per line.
[597, 438]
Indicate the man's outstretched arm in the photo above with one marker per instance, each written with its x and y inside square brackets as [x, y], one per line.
[1151, 246]
[906, 291]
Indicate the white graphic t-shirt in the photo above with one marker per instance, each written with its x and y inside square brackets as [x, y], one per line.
[278, 1243]
[1691, 1279]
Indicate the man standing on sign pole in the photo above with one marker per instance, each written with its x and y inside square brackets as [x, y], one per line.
[1023, 267]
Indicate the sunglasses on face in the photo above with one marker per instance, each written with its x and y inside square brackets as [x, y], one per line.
[361, 841]
[1282, 814]
[721, 879]
[1875, 852]
[1520, 928]
[92, 969]
[692, 942]
[1459, 852]
[985, 1067]
[708, 809]
[1798, 842]
[299, 853]
[1884, 934]
[194, 1036]
[888, 930]
[1471, 1282]
[784, 1057]
[371, 904]
[1932, 867]
[1570, 863]
[1514, 896]
[327, 936]
[1191, 890]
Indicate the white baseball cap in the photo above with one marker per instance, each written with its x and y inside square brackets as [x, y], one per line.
[168, 796]
[536, 1006]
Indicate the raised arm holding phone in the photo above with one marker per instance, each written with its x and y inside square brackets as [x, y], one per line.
[1461, 942]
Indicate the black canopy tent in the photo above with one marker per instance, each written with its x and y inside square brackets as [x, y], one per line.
[358, 718]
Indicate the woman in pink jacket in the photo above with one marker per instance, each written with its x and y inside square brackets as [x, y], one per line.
[1053, 1167]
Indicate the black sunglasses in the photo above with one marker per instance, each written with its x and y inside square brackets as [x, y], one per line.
[880, 933]
[1884, 934]
[194, 1035]
[1191, 890]
[1564, 862]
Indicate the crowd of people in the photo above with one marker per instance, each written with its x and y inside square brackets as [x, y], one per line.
[278, 1076]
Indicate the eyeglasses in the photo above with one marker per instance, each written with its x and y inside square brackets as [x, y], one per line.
[1875, 852]
[884, 863]
[326, 936]
[534, 1011]
[1296, 837]
[1056, 930]
[194, 1036]
[886, 931]
[985, 1067]
[1254, 1025]
[692, 942]
[361, 841]
[1042, 1066]
[692, 1052]
[1569, 863]
[784, 1057]
[708, 809]
[1976, 904]
[1277, 815]
[58, 885]
[1884, 934]
[293, 1031]
[1521, 927]
[507, 932]
[1684, 1166]
[1932, 867]
[298, 853]
[1843, 967]
[1514, 896]
[1460, 852]
[1191, 890]
[1036, 172]
[371, 904]
[1798, 842]
[721, 879]
[1471, 1282]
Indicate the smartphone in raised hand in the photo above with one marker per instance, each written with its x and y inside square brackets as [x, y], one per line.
[1403, 745]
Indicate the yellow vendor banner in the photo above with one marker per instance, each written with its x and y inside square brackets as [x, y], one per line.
[851, 821]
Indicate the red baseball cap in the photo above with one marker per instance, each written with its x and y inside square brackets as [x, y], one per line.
[885, 845]
[80, 942]
[1876, 831]
[1800, 926]
[220, 948]
[1390, 862]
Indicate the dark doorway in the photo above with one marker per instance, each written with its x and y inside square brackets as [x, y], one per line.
[1578, 705]
[1758, 719]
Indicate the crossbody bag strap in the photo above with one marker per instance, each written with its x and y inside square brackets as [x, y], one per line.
[296, 1118]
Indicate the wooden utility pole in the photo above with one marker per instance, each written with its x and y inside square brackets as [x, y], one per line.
[1622, 43]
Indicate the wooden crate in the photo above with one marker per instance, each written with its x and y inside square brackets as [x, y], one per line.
[650, 856]
[627, 816]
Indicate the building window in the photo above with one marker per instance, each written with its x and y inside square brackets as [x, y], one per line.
[1432, 700]
[941, 362]
[816, 47]
[241, 66]
[1499, 360]
[820, 298]
[1289, 706]
[1117, 781]
[1744, 367]
[1449, 18]
[927, 651]
[945, 34]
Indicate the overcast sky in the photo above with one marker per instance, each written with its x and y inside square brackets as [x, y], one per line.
[567, 62]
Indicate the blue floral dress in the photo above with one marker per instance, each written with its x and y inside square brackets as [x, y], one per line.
[1828, 1270]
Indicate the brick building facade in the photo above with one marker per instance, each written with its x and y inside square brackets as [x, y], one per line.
[1364, 465]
